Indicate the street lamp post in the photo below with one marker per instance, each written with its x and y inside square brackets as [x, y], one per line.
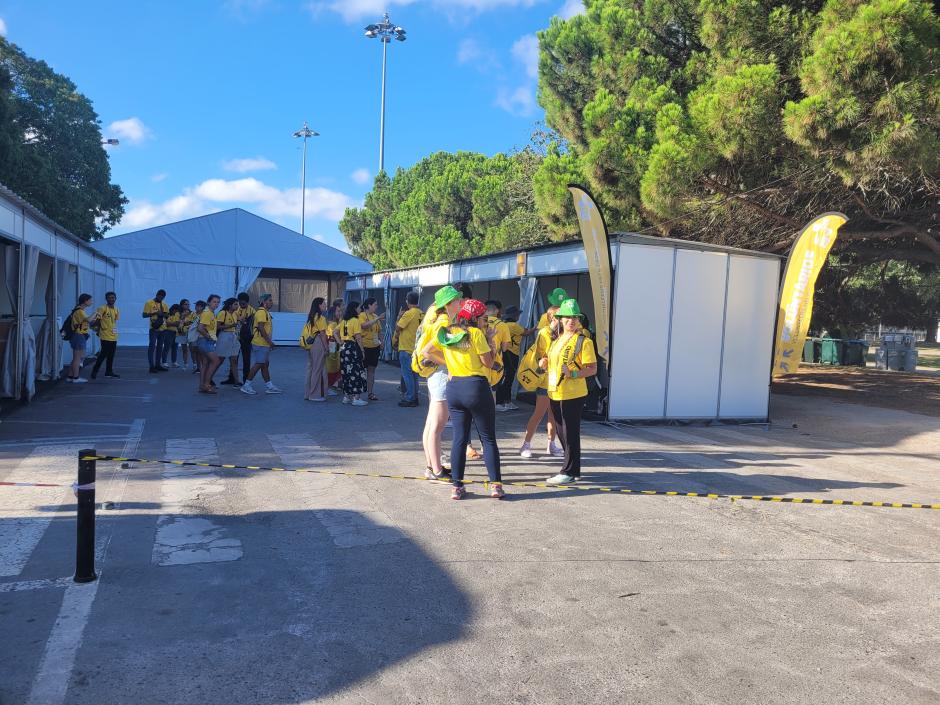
[385, 31]
[304, 132]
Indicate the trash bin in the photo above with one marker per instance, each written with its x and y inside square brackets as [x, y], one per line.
[830, 352]
[808, 350]
[853, 353]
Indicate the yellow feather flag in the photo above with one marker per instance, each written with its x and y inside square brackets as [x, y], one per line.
[806, 259]
[597, 251]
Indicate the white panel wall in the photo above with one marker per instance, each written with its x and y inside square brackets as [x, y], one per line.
[434, 276]
[39, 236]
[749, 330]
[643, 295]
[8, 221]
[554, 262]
[695, 346]
[67, 251]
[488, 270]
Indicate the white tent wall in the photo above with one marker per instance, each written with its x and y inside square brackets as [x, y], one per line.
[136, 281]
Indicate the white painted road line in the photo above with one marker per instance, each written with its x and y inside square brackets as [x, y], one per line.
[21, 585]
[180, 539]
[65, 423]
[21, 526]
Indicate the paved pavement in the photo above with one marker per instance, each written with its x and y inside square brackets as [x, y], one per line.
[222, 586]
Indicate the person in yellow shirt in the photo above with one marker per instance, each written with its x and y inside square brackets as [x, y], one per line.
[245, 313]
[510, 360]
[570, 361]
[187, 319]
[228, 346]
[371, 341]
[352, 357]
[465, 350]
[262, 343]
[108, 316]
[500, 338]
[334, 374]
[169, 335]
[406, 330]
[209, 361]
[313, 339]
[77, 327]
[157, 311]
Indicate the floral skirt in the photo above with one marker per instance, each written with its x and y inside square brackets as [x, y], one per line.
[354, 371]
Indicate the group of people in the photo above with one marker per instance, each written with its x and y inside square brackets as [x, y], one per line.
[462, 349]
[468, 350]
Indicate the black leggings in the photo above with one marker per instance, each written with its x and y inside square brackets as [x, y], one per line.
[107, 354]
[245, 345]
[567, 415]
[504, 388]
[470, 401]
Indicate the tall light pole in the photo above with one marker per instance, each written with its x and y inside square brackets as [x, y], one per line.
[385, 31]
[304, 132]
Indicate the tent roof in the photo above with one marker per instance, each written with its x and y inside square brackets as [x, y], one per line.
[234, 237]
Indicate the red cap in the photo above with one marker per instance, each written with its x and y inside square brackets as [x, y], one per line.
[471, 309]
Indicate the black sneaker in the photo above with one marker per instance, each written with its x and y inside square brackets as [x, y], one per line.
[154, 370]
[227, 381]
[94, 375]
[112, 374]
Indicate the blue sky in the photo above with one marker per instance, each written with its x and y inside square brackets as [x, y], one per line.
[204, 95]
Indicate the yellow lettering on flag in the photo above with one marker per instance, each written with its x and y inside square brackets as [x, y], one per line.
[597, 250]
[806, 259]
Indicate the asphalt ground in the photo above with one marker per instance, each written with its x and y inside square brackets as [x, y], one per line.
[231, 586]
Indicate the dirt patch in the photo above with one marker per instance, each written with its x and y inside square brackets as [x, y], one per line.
[919, 394]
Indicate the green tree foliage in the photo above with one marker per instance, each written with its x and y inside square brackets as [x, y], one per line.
[737, 121]
[447, 206]
[50, 147]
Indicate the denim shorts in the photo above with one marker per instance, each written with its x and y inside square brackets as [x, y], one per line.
[437, 385]
[541, 392]
[260, 354]
[205, 345]
[78, 341]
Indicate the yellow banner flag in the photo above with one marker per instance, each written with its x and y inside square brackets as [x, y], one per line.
[806, 259]
[597, 250]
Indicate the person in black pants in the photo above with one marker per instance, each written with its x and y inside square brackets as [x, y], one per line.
[571, 359]
[465, 351]
[243, 313]
[108, 316]
[157, 311]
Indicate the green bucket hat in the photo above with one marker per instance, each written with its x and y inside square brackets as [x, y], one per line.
[445, 295]
[448, 339]
[557, 296]
[568, 309]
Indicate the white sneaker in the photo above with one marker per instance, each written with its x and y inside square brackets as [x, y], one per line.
[526, 450]
[272, 389]
[346, 399]
[502, 407]
[332, 392]
[317, 399]
[79, 380]
[561, 480]
[68, 380]
[360, 402]
[511, 407]
[246, 388]
[555, 451]
[176, 364]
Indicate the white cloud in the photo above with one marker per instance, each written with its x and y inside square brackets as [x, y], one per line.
[131, 130]
[482, 58]
[157, 178]
[3, 28]
[248, 164]
[355, 10]
[361, 176]
[571, 8]
[526, 51]
[207, 196]
[519, 101]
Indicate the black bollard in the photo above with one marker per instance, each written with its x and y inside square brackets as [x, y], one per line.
[85, 544]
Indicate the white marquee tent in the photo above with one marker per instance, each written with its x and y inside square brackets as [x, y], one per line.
[225, 253]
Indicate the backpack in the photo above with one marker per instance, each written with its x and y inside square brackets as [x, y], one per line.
[530, 375]
[66, 331]
[247, 331]
[418, 365]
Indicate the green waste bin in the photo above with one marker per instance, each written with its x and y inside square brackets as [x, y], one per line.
[854, 353]
[830, 352]
[808, 350]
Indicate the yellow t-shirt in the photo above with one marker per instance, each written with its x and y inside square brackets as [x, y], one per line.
[151, 308]
[543, 341]
[543, 321]
[500, 335]
[242, 313]
[173, 323]
[408, 328]
[311, 330]
[562, 353]
[207, 318]
[227, 318]
[429, 316]
[186, 322]
[463, 359]
[370, 335]
[515, 337]
[348, 330]
[108, 317]
[263, 317]
[79, 321]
